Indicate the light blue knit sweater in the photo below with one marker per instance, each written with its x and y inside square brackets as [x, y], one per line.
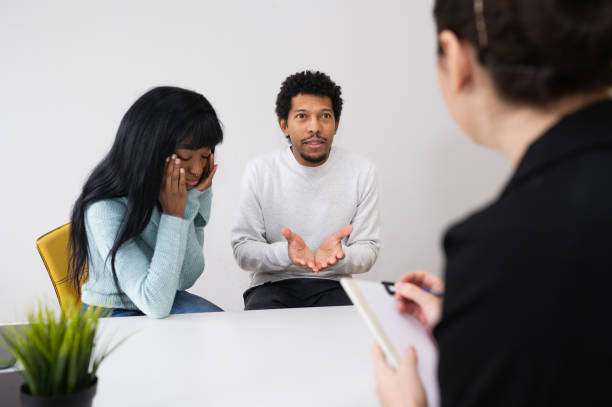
[166, 257]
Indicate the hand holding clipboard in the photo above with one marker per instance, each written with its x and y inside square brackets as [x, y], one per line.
[395, 330]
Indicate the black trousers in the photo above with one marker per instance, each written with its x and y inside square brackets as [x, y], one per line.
[296, 292]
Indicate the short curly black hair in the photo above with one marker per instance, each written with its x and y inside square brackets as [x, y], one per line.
[309, 83]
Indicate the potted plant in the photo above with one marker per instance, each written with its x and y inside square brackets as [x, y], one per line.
[57, 357]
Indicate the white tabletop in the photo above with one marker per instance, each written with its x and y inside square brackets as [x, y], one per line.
[288, 357]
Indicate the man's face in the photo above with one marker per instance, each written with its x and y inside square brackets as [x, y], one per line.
[311, 127]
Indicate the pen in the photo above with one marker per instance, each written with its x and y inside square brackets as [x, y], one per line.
[390, 287]
[437, 293]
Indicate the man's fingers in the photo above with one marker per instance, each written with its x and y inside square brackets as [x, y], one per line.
[339, 254]
[344, 232]
[286, 232]
[299, 253]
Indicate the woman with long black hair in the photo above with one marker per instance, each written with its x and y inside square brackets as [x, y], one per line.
[137, 230]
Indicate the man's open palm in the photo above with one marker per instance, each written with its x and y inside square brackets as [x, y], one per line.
[299, 253]
[330, 250]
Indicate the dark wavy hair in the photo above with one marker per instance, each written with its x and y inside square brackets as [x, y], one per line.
[308, 83]
[536, 50]
[152, 128]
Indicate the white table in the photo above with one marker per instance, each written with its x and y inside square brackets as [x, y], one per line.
[289, 357]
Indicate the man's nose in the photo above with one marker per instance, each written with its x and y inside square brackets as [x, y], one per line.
[313, 125]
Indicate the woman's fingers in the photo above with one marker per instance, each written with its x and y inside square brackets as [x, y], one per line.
[414, 293]
[207, 181]
[175, 174]
[173, 194]
[381, 367]
[210, 170]
[168, 172]
[423, 278]
[409, 362]
[398, 387]
[211, 164]
[212, 174]
[182, 187]
[424, 306]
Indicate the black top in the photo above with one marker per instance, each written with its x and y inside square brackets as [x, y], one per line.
[526, 316]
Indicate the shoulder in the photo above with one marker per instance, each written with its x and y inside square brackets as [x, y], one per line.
[352, 161]
[107, 209]
[267, 162]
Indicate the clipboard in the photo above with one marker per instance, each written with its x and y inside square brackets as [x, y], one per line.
[394, 330]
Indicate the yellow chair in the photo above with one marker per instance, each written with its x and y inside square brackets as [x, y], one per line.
[53, 248]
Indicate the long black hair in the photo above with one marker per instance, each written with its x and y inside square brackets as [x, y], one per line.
[152, 128]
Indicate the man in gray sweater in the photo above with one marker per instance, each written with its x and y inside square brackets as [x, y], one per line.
[308, 214]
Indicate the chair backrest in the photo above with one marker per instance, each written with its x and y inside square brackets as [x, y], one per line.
[54, 250]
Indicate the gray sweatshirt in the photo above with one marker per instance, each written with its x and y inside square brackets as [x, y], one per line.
[313, 202]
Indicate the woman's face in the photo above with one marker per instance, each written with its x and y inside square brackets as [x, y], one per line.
[194, 162]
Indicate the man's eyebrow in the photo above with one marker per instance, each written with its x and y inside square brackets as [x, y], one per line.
[325, 109]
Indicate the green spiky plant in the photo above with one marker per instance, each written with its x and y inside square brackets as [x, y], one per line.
[57, 354]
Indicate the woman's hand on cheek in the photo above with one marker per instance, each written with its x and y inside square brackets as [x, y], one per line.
[209, 173]
[173, 193]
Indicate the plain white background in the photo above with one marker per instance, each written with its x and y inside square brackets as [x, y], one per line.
[70, 69]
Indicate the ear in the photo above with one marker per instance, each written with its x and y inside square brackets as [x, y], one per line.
[457, 61]
[282, 123]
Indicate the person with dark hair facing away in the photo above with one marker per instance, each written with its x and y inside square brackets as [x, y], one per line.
[308, 214]
[525, 319]
[137, 228]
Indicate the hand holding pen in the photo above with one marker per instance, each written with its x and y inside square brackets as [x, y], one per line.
[420, 294]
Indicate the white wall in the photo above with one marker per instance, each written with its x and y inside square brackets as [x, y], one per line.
[70, 69]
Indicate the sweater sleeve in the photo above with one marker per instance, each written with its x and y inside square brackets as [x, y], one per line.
[198, 211]
[252, 250]
[362, 246]
[150, 284]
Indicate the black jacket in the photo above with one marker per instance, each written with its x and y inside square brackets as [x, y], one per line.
[526, 317]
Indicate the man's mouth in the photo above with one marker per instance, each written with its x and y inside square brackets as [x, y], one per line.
[314, 142]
